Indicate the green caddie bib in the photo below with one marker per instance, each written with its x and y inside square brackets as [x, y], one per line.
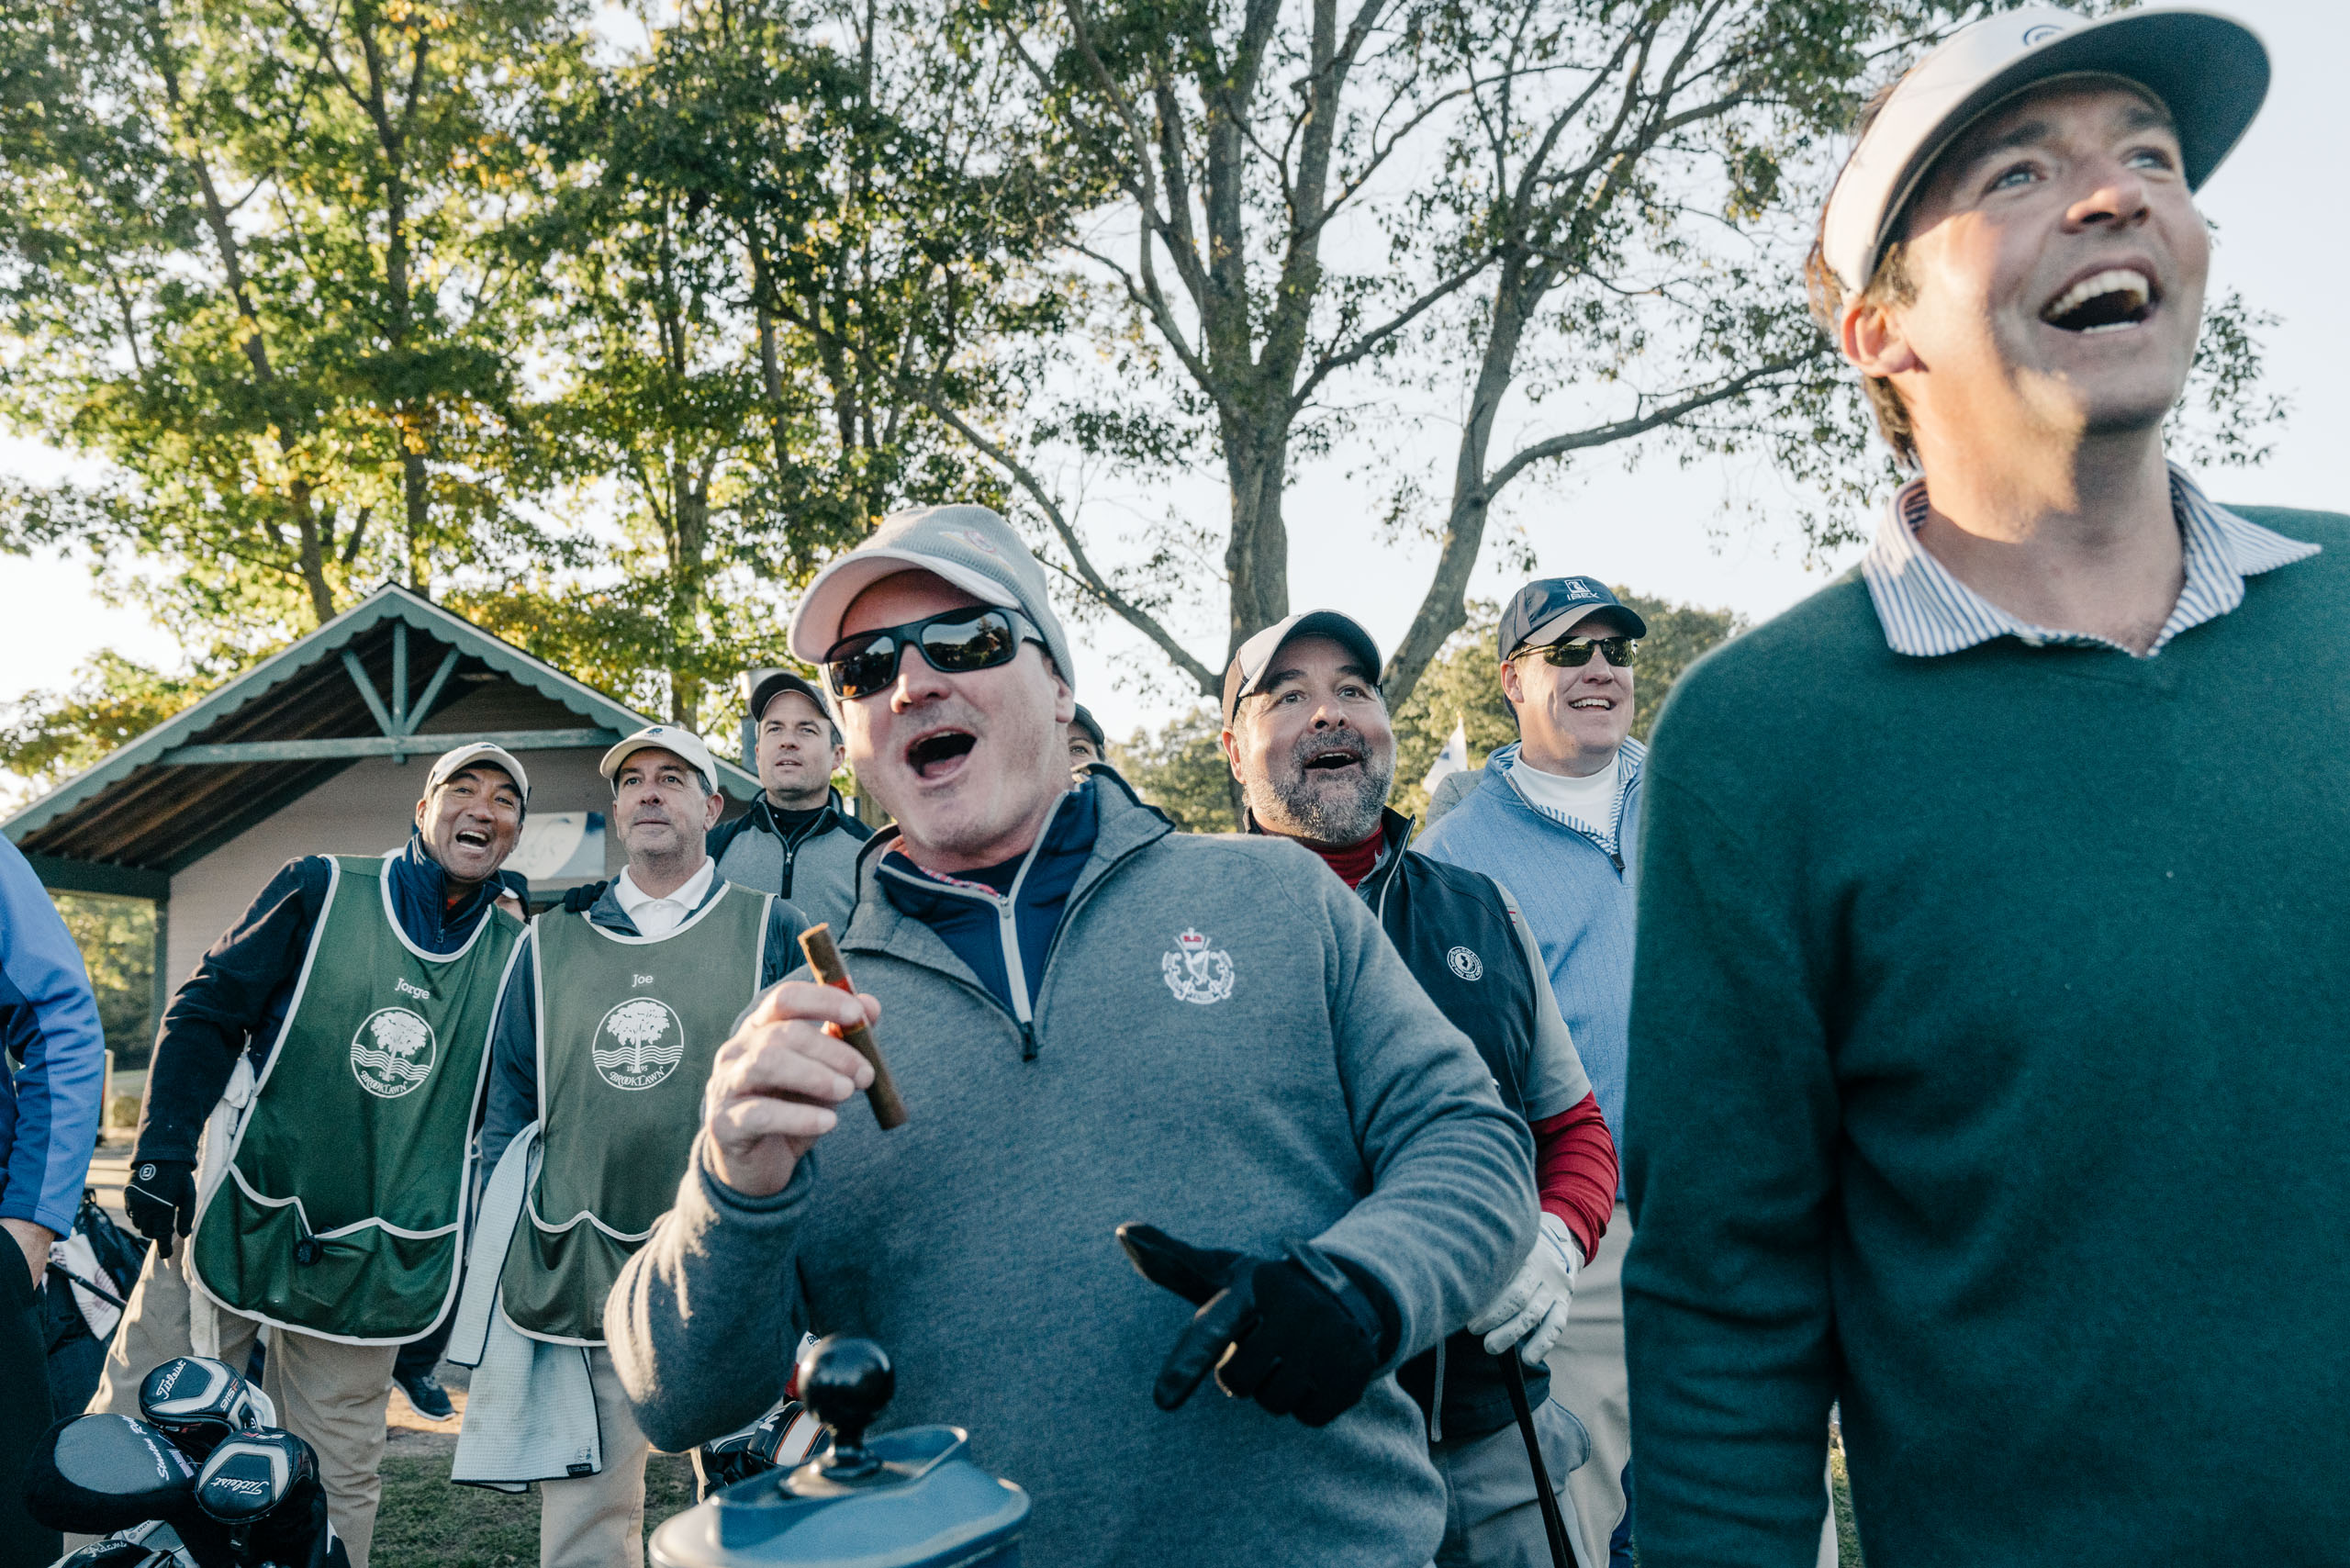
[628, 1029]
[341, 1211]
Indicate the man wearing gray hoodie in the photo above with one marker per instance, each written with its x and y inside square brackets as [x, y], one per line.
[1095, 1024]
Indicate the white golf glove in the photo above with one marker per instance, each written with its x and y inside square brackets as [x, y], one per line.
[1531, 1311]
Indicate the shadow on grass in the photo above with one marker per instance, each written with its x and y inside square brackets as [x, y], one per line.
[427, 1522]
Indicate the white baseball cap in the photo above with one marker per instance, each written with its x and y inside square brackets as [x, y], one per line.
[477, 751]
[666, 737]
[2211, 71]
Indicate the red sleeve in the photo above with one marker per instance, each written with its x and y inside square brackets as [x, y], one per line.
[1574, 1163]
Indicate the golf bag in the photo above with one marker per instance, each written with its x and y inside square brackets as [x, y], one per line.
[91, 1272]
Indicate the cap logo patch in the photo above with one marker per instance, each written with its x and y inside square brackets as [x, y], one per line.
[977, 540]
[1577, 588]
[639, 1043]
[1465, 964]
[393, 1053]
[2034, 37]
[1196, 972]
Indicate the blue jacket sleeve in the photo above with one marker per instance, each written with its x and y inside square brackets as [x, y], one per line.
[52, 1030]
[513, 1056]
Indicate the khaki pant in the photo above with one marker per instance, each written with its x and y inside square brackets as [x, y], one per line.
[597, 1521]
[331, 1395]
[1588, 1376]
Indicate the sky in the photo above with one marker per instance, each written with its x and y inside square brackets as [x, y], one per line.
[1652, 526]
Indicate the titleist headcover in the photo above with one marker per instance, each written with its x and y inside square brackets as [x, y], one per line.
[197, 1401]
[90, 1474]
[113, 1553]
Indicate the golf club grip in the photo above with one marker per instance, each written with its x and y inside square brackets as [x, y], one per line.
[1554, 1525]
[824, 957]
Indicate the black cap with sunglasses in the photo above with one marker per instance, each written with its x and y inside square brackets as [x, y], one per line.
[1545, 609]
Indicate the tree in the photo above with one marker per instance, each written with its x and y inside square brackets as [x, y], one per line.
[49, 736]
[116, 937]
[1182, 770]
[770, 266]
[1560, 225]
[239, 253]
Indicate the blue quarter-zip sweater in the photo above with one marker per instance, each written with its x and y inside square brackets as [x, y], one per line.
[1000, 919]
[49, 1088]
[1577, 892]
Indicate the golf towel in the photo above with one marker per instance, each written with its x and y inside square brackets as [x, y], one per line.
[531, 1414]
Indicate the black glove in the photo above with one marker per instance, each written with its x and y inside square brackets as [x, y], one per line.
[581, 898]
[1301, 1335]
[160, 1196]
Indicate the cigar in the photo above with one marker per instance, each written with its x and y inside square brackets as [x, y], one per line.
[824, 957]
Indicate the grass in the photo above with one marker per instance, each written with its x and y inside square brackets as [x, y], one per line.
[427, 1522]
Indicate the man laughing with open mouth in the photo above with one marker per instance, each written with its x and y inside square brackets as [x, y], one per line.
[1986, 1050]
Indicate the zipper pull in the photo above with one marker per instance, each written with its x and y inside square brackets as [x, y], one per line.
[1617, 858]
[1027, 1042]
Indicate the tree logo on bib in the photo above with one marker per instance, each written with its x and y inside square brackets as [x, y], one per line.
[393, 1053]
[639, 1043]
[1198, 973]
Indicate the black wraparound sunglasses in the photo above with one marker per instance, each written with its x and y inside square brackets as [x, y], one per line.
[1574, 652]
[955, 642]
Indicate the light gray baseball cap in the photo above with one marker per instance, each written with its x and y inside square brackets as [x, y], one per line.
[969, 546]
[2209, 70]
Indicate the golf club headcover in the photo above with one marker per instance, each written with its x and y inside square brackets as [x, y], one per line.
[1303, 1335]
[161, 1199]
[93, 1474]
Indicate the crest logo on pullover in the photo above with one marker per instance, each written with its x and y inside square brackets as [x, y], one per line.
[1465, 964]
[638, 1043]
[393, 1053]
[1196, 971]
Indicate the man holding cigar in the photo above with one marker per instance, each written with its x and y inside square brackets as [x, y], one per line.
[604, 1038]
[1093, 1020]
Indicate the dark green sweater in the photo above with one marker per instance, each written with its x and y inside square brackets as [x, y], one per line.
[1990, 1072]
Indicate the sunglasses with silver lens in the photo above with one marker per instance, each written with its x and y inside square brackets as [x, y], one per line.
[955, 643]
[1574, 652]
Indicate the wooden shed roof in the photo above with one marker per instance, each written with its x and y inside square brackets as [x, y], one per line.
[368, 683]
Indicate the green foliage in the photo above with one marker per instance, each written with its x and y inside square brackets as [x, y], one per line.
[116, 937]
[49, 736]
[1182, 770]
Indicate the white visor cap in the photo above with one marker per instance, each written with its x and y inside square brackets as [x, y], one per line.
[2211, 71]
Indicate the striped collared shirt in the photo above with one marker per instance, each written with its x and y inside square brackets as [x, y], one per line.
[1925, 611]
